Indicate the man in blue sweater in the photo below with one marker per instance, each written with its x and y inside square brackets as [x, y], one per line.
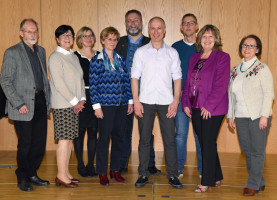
[185, 48]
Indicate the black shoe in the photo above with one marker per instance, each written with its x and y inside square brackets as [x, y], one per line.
[123, 170]
[154, 171]
[82, 171]
[174, 182]
[142, 181]
[91, 171]
[25, 185]
[35, 180]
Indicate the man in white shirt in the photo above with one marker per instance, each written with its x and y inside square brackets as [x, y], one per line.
[157, 64]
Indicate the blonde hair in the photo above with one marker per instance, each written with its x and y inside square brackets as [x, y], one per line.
[80, 34]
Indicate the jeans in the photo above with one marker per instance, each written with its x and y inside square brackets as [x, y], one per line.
[127, 144]
[182, 128]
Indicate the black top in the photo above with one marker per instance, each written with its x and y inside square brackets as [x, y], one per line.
[36, 65]
[2, 103]
[122, 46]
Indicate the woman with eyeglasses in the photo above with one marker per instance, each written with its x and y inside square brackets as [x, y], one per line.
[67, 100]
[205, 99]
[85, 40]
[111, 99]
[251, 95]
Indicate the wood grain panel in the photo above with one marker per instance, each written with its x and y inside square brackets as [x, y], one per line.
[12, 13]
[236, 19]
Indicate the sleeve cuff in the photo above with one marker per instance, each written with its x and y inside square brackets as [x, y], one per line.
[74, 101]
[83, 99]
[96, 106]
[131, 101]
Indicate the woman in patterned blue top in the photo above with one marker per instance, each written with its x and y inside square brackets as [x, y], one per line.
[111, 99]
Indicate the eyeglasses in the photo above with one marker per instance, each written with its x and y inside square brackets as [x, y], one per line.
[192, 23]
[65, 35]
[111, 40]
[87, 36]
[250, 46]
[31, 32]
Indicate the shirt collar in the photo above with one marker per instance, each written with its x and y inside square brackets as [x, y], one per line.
[137, 41]
[29, 48]
[150, 46]
[82, 56]
[190, 44]
[249, 62]
[63, 51]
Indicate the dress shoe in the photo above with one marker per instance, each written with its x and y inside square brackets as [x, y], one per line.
[104, 179]
[67, 185]
[174, 182]
[91, 171]
[262, 188]
[74, 180]
[116, 175]
[25, 185]
[123, 170]
[82, 171]
[154, 171]
[249, 192]
[35, 180]
[142, 181]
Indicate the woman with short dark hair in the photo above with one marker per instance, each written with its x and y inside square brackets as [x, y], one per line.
[67, 100]
[251, 94]
[205, 99]
[111, 98]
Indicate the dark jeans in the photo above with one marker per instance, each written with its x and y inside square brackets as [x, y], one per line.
[91, 146]
[207, 131]
[127, 144]
[31, 140]
[167, 126]
[111, 126]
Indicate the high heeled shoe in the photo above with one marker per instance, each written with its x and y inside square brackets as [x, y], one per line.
[201, 189]
[67, 185]
[104, 179]
[74, 180]
[116, 175]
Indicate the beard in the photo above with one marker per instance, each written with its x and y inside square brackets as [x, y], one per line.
[134, 32]
[32, 42]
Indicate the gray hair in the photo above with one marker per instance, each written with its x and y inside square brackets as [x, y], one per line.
[163, 22]
[27, 20]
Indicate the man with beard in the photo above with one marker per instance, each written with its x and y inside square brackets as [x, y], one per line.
[126, 47]
[186, 48]
[25, 84]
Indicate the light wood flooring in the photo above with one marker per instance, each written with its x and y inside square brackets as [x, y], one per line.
[233, 166]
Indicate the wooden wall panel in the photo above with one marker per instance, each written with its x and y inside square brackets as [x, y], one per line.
[272, 63]
[12, 13]
[235, 19]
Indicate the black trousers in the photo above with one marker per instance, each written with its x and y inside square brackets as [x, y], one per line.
[31, 140]
[167, 127]
[207, 132]
[110, 127]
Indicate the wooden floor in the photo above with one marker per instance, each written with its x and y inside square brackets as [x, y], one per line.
[233, 166]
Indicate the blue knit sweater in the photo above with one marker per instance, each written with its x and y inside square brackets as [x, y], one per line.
[108, 88]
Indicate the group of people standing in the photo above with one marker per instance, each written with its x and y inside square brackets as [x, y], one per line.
[100, 91]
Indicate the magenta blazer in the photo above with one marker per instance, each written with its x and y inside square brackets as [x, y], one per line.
[214, 79]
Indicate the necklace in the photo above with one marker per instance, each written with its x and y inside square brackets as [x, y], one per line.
[199, 66]
[247, 68]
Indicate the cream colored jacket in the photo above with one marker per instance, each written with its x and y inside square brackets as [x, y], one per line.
[258, 91]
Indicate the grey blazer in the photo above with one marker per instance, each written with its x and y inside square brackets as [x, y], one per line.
[18, 83]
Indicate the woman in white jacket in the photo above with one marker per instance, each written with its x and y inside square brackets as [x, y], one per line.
[251, 95]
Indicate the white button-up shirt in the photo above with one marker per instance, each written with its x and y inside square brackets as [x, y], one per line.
[156, 69]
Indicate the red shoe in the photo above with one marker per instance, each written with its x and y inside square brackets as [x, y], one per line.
[104, 179]
[116, 175]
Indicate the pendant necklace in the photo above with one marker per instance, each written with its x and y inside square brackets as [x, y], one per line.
[247, 68]
[199, 66]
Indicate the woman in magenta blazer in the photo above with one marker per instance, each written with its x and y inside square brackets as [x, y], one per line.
[205, 99]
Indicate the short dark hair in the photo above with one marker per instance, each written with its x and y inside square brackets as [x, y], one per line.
[27, 20]
[215, 31]
[258, 42]
[63, 29]
[189, 15]
[133, 11]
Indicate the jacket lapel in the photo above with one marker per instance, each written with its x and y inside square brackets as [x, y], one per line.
[209, 61]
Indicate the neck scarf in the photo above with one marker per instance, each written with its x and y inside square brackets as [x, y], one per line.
[107, 63]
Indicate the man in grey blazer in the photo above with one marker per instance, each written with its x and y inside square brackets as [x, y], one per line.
[25, 84]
